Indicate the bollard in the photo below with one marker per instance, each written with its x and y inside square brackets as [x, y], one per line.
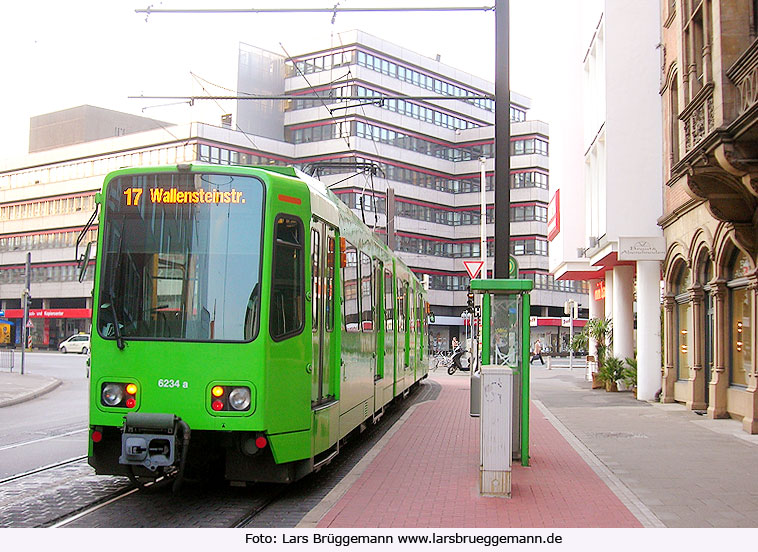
[549, 363]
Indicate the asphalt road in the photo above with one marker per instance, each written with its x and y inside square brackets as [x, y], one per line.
[51, 428]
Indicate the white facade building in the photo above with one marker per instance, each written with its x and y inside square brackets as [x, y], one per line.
[611, 193]
[426, 150]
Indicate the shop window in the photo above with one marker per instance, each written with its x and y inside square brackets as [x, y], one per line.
[683, 324]
[741, 320]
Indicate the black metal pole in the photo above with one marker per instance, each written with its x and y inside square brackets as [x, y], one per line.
[25, 301]
[502, 139]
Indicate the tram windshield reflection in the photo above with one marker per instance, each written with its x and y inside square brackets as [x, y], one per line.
[181, 257]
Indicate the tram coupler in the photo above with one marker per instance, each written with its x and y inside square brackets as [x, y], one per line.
[151, 440]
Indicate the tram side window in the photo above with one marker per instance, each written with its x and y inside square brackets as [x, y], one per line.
[411, 311]
[389, 311]
[367, 296]
[329, 291]
[350, 291]
[420, 312]
[401, 294]
[287, 287]
[315, 277]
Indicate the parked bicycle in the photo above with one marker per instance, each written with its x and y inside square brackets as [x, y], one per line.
[442, 359]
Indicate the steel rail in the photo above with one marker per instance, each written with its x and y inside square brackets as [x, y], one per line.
[43, 468]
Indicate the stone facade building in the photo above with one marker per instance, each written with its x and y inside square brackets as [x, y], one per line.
[709, 88]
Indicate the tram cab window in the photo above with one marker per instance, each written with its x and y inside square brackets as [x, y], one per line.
[287, 286]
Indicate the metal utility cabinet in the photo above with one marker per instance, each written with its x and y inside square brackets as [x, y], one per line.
[504, 363]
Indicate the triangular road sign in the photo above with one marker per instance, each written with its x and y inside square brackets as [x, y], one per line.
[473, 268]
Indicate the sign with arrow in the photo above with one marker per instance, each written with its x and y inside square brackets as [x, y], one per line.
[473, 268]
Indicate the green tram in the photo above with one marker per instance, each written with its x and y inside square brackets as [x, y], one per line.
[244, 322]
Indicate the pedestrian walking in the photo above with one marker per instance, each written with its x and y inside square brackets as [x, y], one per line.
[537, 350]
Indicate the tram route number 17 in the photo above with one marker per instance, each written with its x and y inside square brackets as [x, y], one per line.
[132, 196]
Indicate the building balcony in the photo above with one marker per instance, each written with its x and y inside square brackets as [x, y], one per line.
[698, 117]
[744, 75]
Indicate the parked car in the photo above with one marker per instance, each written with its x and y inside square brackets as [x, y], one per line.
[78, 343]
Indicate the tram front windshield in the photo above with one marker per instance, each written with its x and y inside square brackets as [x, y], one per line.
[181, 257]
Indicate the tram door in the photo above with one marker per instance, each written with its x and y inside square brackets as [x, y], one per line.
[402, 312]
[323, 256]
[377, 301]
[412, 333]
[389, 324]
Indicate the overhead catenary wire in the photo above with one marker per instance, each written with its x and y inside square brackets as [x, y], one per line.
[318, 96]
[333, 10]
[223, 111]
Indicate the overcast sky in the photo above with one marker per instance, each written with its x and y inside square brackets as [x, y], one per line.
[60, 54]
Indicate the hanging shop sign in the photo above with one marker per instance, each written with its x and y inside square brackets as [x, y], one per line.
[554, 216]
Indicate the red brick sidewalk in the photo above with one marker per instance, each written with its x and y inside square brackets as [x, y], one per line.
[426, 476]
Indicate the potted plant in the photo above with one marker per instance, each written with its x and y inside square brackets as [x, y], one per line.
[630, 374]
[600, 331]
[611, 372]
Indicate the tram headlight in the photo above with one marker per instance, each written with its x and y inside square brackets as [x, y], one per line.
[112, 394]
[239, 398]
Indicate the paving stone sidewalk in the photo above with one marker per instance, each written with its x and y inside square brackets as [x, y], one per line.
[688, 470]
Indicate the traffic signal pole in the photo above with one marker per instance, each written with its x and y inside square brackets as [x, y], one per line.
[25, 298]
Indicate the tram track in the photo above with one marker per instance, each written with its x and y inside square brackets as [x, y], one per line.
[42, 469]
[69, 494]
[269, 497]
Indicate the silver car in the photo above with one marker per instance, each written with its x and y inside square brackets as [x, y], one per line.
[78, 343]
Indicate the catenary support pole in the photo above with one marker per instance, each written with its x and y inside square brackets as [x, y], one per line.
[502, 139]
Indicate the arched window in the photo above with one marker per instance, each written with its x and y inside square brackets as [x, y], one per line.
[740, 317]
[682, 284]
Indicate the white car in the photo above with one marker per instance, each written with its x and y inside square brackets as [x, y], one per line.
[75, 344]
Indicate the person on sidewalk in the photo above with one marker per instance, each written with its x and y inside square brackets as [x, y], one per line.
[537, 350]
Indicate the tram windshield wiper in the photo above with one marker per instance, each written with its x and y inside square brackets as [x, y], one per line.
[116, 323]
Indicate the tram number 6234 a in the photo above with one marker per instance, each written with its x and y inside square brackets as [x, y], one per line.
[172, 383]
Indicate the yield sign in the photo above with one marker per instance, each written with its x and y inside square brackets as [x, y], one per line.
[473, 268]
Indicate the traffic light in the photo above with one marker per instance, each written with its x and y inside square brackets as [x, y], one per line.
[470, 300]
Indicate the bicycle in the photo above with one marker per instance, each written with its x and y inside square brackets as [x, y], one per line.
[443, 359]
